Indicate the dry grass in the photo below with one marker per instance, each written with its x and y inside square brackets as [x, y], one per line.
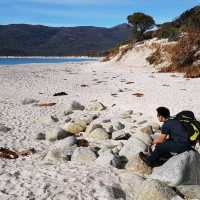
[124, 50]
[162, 52]
[110, 54]
[189, 71]
[183, 55]
[120, 50]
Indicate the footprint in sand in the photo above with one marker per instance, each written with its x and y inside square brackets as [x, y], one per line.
[138, 94]
[130, 82]
[114, 94]
[84, 85]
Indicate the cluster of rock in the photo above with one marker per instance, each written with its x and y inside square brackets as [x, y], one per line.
[84, 139]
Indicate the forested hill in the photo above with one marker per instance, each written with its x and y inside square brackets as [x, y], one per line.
[37, 40]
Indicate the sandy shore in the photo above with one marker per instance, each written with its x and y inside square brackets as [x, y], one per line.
[111, 84]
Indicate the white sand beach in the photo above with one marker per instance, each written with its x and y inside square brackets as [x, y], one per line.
[114, 85]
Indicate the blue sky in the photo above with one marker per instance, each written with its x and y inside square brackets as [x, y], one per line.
[105, 13]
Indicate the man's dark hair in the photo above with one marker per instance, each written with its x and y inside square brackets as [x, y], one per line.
[163, 111]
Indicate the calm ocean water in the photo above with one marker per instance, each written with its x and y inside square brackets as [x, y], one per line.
[14, 61]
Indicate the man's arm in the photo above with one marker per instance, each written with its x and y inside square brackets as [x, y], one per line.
[162, 138]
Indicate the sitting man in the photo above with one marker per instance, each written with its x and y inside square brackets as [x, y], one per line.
[173, 139]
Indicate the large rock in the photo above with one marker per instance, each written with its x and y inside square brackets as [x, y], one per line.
[182, 169]
[136, 165]
[108, 127]
[83, 154]
[155, 126]
[146, 138]
[61, 150]
[130, 183]
[107, 158]
[96, 106]
[98, 134]
[54, 156]
[132, 147]
[57, 134]
[147, 130]
[92, 127]
[75, 127]
[189, 191]
[152, 189]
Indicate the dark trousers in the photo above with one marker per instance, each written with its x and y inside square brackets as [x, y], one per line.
[161, 150]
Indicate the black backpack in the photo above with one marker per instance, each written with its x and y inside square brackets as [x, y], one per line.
[191, 125]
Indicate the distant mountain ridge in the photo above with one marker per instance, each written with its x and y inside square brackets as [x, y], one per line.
[38, 40]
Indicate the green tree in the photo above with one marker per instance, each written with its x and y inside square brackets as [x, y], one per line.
[141, 22]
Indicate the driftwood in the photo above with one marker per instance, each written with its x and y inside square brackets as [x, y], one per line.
[9, 154]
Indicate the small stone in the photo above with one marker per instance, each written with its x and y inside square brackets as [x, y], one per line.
[27, 101]
[96, 106]
[77, 106]
[60, 94]
[119, 126]
[68, 119]
[4, 128]
[54, 118]
[106, 120]
[41, 136]
[68, 112]
[142, 122]
[120, 135]
[126, 114]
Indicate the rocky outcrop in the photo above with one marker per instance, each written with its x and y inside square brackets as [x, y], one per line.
[182, 169]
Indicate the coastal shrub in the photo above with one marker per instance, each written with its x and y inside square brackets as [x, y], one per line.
[185, 55]
[168, 31]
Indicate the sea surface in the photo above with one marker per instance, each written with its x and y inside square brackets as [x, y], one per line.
[31, 60]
